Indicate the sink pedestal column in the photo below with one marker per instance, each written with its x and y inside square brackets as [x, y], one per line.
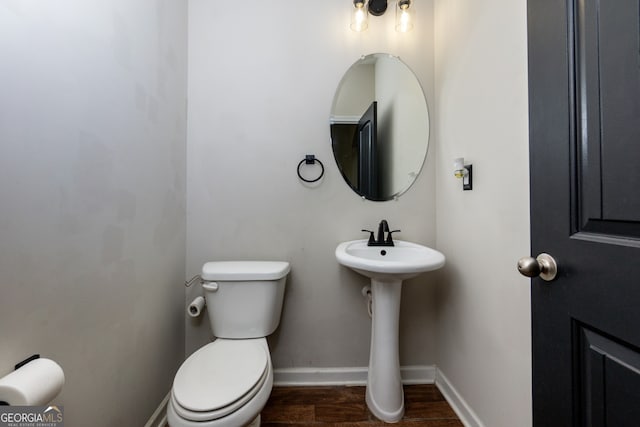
[384, 396]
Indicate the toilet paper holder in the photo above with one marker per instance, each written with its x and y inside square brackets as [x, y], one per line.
[25, 361]
[35, 381]
[18, 366]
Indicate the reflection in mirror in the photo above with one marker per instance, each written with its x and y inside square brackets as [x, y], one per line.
[379, 127]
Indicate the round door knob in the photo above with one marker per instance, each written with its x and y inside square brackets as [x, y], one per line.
[544, 266]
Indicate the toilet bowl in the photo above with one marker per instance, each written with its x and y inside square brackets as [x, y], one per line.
[227, 382]
[224, 384]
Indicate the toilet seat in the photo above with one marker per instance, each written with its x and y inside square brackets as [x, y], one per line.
[219, 379]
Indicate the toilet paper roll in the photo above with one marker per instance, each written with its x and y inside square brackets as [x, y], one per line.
[36, 383]
[196, 306]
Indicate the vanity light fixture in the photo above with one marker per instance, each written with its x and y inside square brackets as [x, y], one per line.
[460, 170]
[404, 16]
[362, 9]
[359, 16]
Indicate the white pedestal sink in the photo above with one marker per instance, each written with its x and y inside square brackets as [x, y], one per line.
[387, 267]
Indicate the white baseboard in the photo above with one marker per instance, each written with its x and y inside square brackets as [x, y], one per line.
[457, 402]
[159, 417]
[356, 376]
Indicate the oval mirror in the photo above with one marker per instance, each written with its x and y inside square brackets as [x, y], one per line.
[379, 127]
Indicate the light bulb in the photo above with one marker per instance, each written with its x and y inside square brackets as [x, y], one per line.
[459, 171]
[359, 16]
[404, 18]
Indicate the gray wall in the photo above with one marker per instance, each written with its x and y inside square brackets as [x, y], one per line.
[92, 193]
[259, 100]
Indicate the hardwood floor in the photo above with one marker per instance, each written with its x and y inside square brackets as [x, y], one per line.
[345, 406]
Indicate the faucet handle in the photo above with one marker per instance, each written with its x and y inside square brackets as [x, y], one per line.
[389, 236]
[371, 238]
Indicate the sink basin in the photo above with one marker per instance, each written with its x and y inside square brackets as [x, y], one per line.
[387, 267]
[401, 262]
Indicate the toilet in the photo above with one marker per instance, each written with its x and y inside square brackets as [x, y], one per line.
[227, 382]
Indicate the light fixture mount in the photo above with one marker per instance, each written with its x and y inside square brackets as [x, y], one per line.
[361, 9]
[377, 7]
[464, 171]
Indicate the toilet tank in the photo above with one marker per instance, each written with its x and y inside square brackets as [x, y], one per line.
[244, 298]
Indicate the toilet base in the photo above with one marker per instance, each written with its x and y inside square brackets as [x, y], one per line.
[173, 421]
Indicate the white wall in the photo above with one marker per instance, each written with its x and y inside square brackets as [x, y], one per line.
[259, 100]
[92, 187]
[401, 111]
[357, 92]
[481, 113]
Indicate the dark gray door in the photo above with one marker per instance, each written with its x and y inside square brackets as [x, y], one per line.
[584, 99]
[368, 185]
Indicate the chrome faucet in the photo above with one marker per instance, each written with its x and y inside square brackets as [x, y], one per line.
[383, 227]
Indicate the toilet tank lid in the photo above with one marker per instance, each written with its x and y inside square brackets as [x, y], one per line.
[244, 270]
